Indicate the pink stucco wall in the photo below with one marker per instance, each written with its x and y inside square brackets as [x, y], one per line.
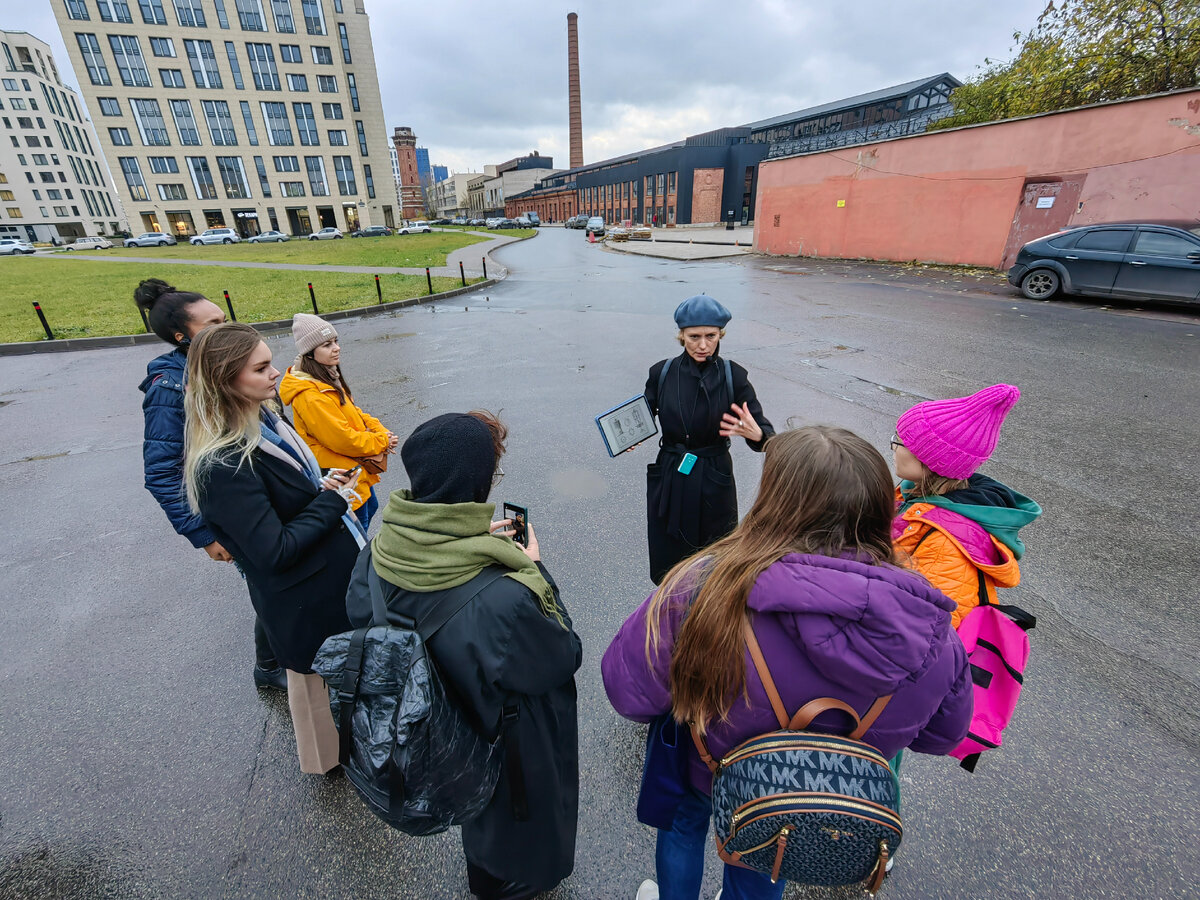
[952, 196]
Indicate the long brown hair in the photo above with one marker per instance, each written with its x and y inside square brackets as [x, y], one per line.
[330, 375]
[219, 419]
[824, 491]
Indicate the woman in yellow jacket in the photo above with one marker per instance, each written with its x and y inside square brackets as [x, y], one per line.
[335, 429]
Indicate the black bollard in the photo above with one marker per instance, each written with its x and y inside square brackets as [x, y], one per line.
[485, 268]
[313, 295]
[229, 303]
[378, 289]
[41, 315]
[428, 279]
[462, 273]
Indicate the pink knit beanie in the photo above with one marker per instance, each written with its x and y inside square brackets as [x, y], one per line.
[310, 332]
[955, 437]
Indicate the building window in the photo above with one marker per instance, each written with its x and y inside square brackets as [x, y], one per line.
[172, 192]
[185, 122]
[152, 12]
[344, 170]
[248, 120]
[220, 122]
[322, 56]
[203, 60]
[202, 178]
[222, 18]
[671, 183]
[345, 40]
[331, 110]
[150, 123]
[282, 11]
[306, 124]
[279, 129]
[286, 163]
[314, 17]
[290, 53]
[263, 184]
[109, 106]
[370, 182]
[338, 139]
[233, 177]
[362, 137]
[291, 188]
[92, 58]
[133, 177]
[353, 86]
[297, 83]
[164, 165]
[316, 176]
[190, 14]
[171, 78]
[234, 66]
[14, 212]
[327, 84]
[115, 11]
[262, 66]
[250, 15]
[162, 46]
[77, 9]
[120, 137]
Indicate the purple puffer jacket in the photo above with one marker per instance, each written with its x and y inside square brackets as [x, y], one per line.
[828, 628]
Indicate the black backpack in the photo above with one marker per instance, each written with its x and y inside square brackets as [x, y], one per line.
[408, 750]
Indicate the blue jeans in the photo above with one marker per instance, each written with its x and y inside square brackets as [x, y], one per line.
[679, 859]
[367, 510]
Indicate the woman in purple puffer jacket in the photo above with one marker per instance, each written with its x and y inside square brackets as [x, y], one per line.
[812, 568]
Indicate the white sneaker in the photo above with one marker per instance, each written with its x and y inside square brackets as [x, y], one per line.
[648, 891]
[891, 862]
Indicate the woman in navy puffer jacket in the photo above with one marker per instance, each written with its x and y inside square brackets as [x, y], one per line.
[177, 317]
[811, 568]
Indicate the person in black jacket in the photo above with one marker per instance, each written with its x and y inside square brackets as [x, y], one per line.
[177, 317]
[509, 654]
[261, 492]
[701, 401]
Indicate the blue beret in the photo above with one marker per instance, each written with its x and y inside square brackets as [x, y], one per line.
[701, 310]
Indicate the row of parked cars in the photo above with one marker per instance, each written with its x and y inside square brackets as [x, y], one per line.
[589, 224]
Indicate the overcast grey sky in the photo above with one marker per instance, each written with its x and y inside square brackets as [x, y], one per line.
[480, 82]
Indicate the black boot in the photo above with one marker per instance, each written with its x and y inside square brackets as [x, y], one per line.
[267, 671]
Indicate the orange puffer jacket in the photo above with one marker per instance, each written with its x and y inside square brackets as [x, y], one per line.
[338, 434]
[958, 556]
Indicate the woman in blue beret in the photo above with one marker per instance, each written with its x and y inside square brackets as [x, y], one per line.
[702, 401]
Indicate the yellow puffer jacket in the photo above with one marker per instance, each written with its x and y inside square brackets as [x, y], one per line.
[955, 555]
[338, 435]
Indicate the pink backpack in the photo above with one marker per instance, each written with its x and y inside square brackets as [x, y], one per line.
[998, 649]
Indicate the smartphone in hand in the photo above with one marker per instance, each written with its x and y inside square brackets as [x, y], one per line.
[520, 522]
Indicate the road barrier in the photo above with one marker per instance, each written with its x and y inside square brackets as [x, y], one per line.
[41, 315]
[313, 294]
[229, 303]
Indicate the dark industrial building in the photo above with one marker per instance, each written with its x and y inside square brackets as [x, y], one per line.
[713, 177]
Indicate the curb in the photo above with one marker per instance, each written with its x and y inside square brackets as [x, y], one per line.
[614, 247]
[25, 348]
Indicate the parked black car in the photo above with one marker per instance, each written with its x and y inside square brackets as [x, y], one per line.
[372, 231]
[576, 222]
[1129, 260]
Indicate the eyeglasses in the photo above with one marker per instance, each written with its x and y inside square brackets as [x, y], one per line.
[497, 476]
[896, 442]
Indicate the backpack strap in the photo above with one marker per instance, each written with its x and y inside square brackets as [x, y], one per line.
[518, 801]
[455, 599]
[348, 692]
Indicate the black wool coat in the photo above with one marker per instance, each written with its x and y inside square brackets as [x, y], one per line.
[685, 513]
[500, 649]
[292, 545]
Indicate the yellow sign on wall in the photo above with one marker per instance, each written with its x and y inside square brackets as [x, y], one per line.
[841, 203]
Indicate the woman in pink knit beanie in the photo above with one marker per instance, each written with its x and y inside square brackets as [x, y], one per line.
[960, 528]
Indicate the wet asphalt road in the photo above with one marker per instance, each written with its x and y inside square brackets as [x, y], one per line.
[137, 760]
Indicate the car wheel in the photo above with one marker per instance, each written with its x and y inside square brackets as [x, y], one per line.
[337, 237]
[27, 252]
[1040, 284]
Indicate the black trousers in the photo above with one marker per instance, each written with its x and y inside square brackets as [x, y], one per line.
[264, 656]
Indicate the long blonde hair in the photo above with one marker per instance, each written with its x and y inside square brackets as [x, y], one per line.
[824, 491]
[220, 421]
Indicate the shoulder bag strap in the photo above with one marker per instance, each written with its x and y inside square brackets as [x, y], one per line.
[662, 381]
[729, 384]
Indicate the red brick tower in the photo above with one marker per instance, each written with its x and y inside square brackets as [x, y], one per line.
[573, 88]
[412, 205]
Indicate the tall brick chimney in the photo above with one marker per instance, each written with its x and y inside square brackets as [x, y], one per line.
[573, 89]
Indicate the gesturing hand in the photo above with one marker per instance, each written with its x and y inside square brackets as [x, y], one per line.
[740, 424]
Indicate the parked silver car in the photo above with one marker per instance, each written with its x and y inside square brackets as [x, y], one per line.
[269, 237]
[416, 228]
[13, 246]
[151, 239]
[217, 236]
[90, 243]
[325, 234]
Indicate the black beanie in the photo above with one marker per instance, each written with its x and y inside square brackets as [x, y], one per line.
[450, 459]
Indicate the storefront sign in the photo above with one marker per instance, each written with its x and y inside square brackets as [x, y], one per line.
[247, 215]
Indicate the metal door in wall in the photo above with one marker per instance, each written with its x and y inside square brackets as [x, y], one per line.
[1046, 207]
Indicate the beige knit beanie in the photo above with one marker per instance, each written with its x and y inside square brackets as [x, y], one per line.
[310, 332]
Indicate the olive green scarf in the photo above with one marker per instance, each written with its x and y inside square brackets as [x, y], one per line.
[427, 547]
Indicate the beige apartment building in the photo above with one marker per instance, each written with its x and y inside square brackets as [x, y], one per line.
[248, 114]
[54, 186]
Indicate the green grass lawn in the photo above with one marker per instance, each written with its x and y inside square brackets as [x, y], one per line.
[398, 251]
[519, 233]
[90, 299]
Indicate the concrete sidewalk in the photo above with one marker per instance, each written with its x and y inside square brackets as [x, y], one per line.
[690, 243]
